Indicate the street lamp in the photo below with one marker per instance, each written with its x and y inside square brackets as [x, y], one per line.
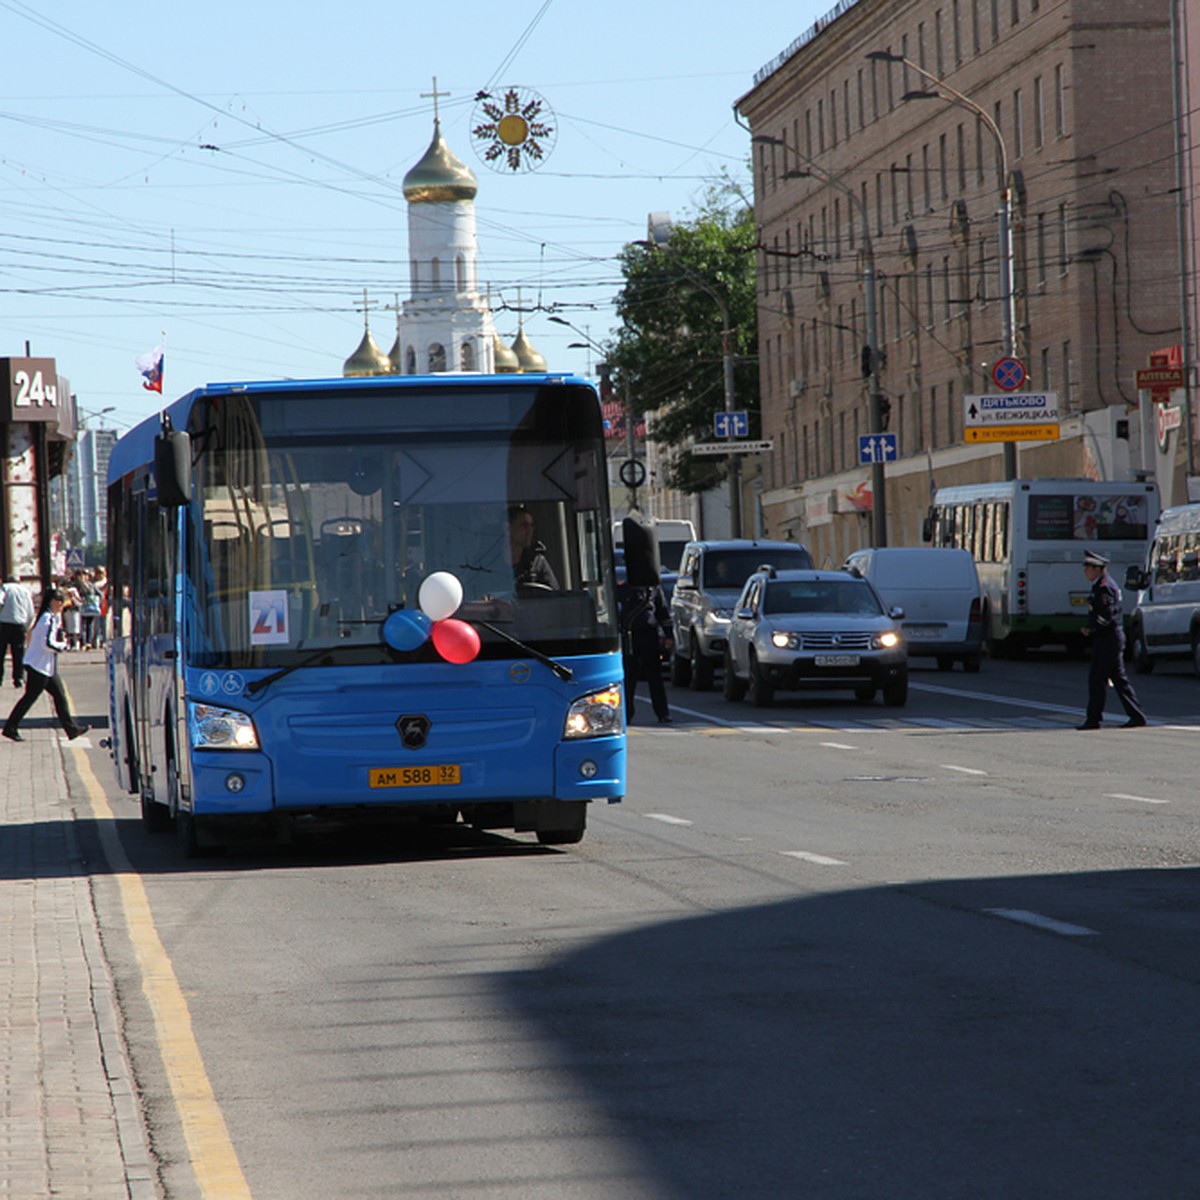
[874, 388]
[733, 463]
[1004, 214]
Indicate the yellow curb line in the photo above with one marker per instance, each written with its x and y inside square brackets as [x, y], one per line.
[211, 1151]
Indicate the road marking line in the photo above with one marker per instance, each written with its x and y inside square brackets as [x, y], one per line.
[991, 698]
[819, 859]
[210, 1149]
[667, 819]
[838, 746]
[1139, 799]
[964, 770]
[1022, 917]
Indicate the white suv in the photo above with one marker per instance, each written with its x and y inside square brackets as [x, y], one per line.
[711, 577]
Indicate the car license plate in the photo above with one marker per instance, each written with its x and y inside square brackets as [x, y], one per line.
[836, 660]
[924, 631]
[434, 775]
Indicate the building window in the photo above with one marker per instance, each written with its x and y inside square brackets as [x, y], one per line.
[995, 13]
[926, 171]
[437, 356]
[467, 355]
[1060, 101]
[1041, 250]
[820, 126]
[942, 166]
[1018, 126]
[1064, 260]
[410, 361]
[435, 274]
[975, 38]
[951, 415]
[1047, 380]
[460, 272]
[933, 417]
[1068, 377]
[929, 310]
[960, 135]
[946, 288]
[1039, 116]
[956, 30]
[862, 113]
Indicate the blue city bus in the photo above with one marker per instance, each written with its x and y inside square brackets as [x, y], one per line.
[317, 616]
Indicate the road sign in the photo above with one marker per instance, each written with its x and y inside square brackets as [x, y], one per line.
[1160, 379]
[632, 472]
[75, 558]
[1009, 373]
[1023, 408]
[1011, 433]
[731, 424]
[877, 448]
[714, 448]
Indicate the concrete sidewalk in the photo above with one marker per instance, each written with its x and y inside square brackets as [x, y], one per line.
[70, 1121]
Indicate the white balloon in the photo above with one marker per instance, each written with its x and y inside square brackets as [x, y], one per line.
[440, 595]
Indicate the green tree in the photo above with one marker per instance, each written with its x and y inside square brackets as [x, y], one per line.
[667, 356]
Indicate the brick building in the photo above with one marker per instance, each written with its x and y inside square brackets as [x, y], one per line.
[1080, 92]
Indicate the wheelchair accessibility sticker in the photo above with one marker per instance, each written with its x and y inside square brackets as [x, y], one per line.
[269, 618]
[229, 682]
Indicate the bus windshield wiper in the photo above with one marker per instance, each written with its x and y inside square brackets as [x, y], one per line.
[259, 685]
[560, 670]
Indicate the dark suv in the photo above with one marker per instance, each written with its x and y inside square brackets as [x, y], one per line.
[711, 576]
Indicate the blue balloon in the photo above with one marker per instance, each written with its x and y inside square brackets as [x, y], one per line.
[406, 629]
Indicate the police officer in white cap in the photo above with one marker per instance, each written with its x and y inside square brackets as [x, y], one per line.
[1107, 635]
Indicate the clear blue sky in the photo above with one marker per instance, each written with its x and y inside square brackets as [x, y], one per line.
[231, 172]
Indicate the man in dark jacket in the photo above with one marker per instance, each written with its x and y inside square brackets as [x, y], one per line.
[645, 629]
[1107, 635]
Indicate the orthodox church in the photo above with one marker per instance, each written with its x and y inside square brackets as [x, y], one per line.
[445, 324]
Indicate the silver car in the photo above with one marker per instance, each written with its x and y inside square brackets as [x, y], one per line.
[798, 630]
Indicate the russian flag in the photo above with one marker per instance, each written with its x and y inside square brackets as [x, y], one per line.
[151, 367]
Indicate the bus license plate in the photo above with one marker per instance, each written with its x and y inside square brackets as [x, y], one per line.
[836, 660]
[1080, 599]
[434, 775]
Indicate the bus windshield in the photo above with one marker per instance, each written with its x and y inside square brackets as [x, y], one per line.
[309, 527]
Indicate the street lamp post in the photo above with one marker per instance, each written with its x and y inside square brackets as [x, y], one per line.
[1004, 214]
[874, 386]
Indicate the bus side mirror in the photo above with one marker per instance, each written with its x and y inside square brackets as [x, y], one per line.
[1135, 578]
[642, 564]
[927, 529]
[173, 468]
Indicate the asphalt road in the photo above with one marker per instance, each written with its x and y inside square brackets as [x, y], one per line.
[825, 950]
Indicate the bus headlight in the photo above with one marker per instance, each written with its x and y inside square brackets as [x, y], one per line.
[598, 714]
[213, 728]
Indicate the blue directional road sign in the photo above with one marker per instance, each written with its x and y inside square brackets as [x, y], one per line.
[877, 447]
[731, 424]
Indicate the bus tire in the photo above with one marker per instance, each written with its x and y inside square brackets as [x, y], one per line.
[1143, 664]
[572, 834]
[156, 818]
[1196, 651]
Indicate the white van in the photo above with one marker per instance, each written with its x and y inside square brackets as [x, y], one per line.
[1165, 622]
[673, 535]
[938, 589]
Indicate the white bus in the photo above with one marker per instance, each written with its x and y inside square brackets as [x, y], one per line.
[1029, 536]
[1165, 622]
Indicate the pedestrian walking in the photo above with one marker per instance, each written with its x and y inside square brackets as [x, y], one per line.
[41, 661]
[16, 616]
[1107, 635]
[646, 630]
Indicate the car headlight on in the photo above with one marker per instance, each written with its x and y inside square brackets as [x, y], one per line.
[598, 714]
[783, 640]
[213, 728]
[885, 641]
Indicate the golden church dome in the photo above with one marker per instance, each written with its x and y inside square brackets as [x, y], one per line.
[532, 363]
[368, 359]
[440, 176]
[506, 362]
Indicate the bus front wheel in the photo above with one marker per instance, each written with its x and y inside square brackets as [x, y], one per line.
[568, 827]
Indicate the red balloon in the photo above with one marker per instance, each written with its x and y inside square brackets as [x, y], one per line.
[455, 641]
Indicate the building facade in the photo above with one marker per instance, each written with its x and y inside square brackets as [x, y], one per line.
[1070, 106]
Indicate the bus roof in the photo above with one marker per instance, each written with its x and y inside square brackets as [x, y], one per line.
[136, 448]
[1001, 489]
